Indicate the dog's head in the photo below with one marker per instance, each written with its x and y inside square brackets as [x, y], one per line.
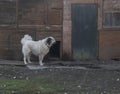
[50, 41]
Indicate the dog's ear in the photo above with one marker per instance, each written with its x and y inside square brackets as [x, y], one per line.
[48, 41]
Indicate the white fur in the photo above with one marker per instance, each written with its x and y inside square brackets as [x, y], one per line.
[39, 48]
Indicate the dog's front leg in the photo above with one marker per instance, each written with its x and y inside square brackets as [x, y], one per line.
[25, 60]
[40, 60]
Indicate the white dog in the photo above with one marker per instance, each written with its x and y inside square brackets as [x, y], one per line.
[39, 48]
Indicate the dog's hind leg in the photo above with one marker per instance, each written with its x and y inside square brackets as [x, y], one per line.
[25, 52]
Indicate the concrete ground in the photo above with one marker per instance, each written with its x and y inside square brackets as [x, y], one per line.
[75, 77]
[93, 64]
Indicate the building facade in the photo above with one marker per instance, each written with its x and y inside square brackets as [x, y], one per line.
[84, 29]
[104, 43]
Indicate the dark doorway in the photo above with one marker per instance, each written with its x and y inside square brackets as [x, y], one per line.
[84, 31]
[54, 52]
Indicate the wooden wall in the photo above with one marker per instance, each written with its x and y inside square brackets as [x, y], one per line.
[109, 44]
[109, 36]
[39, 18]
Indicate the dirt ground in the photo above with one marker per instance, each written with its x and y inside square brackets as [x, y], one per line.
[88, 79]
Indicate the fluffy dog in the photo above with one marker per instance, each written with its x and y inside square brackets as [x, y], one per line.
[39, 48]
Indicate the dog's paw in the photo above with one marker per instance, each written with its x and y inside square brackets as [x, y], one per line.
[41, 64]
[25, 63]
[30, 62]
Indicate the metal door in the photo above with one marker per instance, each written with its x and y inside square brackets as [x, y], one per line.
[84, 31]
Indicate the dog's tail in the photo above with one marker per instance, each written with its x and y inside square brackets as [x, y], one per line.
[26, 38]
